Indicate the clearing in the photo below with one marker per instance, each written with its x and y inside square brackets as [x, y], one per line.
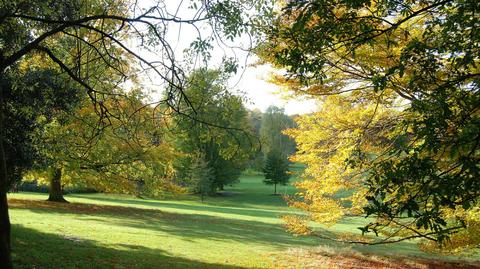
[240, 229]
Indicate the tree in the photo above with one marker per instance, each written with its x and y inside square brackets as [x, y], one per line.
[56, 188]
[256, 160]
[32, 28]
[326, 140]
[406, 69]
[274, 121]
[51, 93]
[201, 177]
[130, 156]
[276, 170]
[25, 92]
[226, 144]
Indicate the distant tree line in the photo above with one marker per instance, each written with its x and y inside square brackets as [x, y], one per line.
[268, 127]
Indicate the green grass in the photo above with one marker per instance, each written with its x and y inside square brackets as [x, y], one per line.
[241, 229]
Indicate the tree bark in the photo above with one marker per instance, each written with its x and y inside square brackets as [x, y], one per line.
[275, 189]
[56, 192]
[5, 246]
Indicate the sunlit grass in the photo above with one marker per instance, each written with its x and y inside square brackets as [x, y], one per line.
[240, 229]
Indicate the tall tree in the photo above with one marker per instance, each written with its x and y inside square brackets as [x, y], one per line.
[29, 28]
[130, 155]
[274, 121]
[227, 143]
[51, 93]
[408, 71]
[256, 160]
[25, 93]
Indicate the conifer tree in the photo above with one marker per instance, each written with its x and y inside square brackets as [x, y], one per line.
[276, 170]
[201, 176]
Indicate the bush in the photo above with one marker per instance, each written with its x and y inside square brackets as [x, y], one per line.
[33, 186]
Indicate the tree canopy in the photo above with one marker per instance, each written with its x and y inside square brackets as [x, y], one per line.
[216, 126]
[407, 80]
[130, 156]
[396, 138]
[98, 35]
[274, 121]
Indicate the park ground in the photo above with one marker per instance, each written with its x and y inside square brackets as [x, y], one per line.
[239, 229]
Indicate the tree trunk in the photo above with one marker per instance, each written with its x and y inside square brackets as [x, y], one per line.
[5, 247]
[56, 192]
[139, 185]
[275, 189]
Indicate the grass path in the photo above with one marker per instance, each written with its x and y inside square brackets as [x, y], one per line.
[241, 230]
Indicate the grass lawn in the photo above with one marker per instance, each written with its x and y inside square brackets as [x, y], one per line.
[240, 229]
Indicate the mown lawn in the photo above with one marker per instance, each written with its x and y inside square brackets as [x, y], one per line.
[240, 229]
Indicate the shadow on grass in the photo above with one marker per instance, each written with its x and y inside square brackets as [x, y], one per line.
[217, 228]
[33, 249]
[189, 227]
[250, 212]
[404, 248]
[192, 227]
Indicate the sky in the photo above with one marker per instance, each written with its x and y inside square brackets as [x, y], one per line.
[250, 80]
[262, 94]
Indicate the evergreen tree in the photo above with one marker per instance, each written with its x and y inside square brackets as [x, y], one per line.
[202, 177]
[276, 170]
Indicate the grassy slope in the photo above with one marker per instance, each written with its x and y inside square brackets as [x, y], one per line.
[239, 230]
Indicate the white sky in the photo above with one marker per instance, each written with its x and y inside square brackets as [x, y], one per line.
[250, 80]
[262, 94]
